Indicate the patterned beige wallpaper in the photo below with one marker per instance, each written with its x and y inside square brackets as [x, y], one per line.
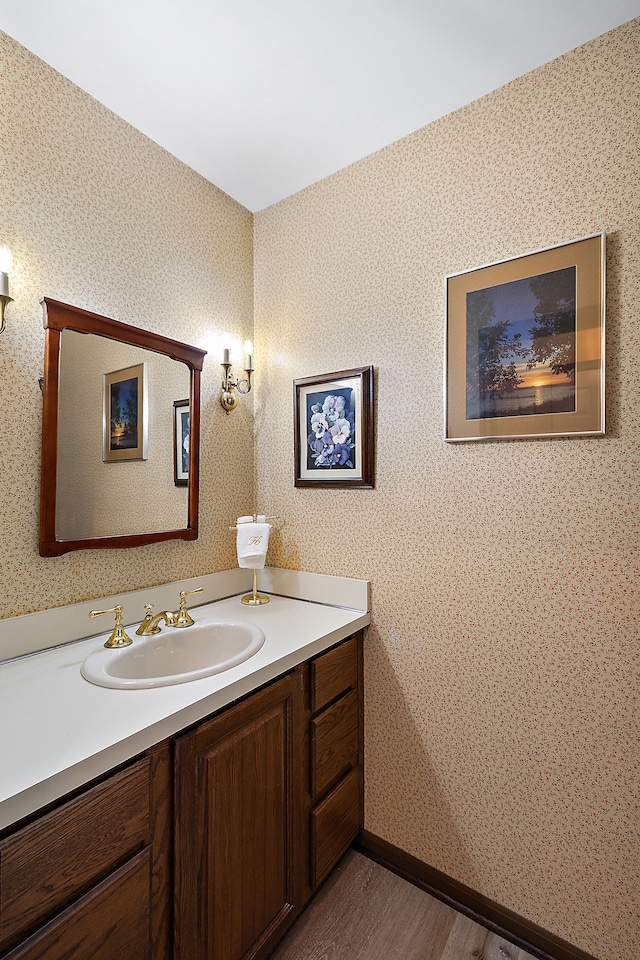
[502, 666]
[99, 216]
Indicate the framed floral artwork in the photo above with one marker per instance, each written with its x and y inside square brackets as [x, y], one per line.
[181, 442]
[125, 414]
[333, 429]
[524, 351]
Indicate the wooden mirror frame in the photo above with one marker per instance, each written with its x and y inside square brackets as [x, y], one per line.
[58, 317]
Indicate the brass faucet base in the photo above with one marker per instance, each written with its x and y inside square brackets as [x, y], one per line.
[118, 639]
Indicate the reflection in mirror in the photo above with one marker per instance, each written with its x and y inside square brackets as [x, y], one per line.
[124, 495]
[109, 466]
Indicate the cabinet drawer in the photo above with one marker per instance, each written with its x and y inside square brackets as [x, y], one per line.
[334, 742]
[335, 822]
[110, 923]
[333, 673]
[48, 864]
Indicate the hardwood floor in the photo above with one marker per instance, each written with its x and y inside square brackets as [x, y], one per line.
[365, 912]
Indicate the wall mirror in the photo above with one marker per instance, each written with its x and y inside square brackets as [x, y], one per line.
[120, 434]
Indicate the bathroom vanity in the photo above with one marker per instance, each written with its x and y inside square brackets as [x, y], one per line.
[209, 841]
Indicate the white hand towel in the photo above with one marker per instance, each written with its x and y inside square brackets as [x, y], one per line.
[252, 541]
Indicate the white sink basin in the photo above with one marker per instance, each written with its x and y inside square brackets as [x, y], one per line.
[176, 655]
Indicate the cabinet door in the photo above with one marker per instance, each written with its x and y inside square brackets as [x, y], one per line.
[238, 819]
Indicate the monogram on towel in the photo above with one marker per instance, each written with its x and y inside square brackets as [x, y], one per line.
[252, 541]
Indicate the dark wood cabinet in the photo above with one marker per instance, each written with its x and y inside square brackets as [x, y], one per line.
[238, 823]
[335, 800]
[268, 799]
[206, 847]
[91, 878]
[335, 823]
[111, 922]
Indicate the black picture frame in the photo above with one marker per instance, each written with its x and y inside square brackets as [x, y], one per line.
[181, 442]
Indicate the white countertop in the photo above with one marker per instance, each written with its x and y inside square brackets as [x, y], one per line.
[59, 731]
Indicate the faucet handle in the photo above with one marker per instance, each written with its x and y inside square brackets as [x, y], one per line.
[119, 637]
[184, 618]
[188, 593]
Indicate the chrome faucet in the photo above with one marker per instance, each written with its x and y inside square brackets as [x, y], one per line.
[151, 624]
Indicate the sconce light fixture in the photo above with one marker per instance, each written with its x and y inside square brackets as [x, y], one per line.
[6, 263]
[228, 398]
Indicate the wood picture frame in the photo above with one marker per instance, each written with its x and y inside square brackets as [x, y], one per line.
[334, 429]
[525, 345]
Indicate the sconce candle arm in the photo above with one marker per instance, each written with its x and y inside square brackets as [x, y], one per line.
[227, 398]
[239, 383]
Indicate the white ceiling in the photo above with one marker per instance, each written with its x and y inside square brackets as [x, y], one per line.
[264, 97]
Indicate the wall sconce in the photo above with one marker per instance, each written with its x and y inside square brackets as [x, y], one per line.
[228, 398]
[6, 263]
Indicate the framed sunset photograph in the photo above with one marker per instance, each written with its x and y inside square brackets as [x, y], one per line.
[125, 414]
[524, 351]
